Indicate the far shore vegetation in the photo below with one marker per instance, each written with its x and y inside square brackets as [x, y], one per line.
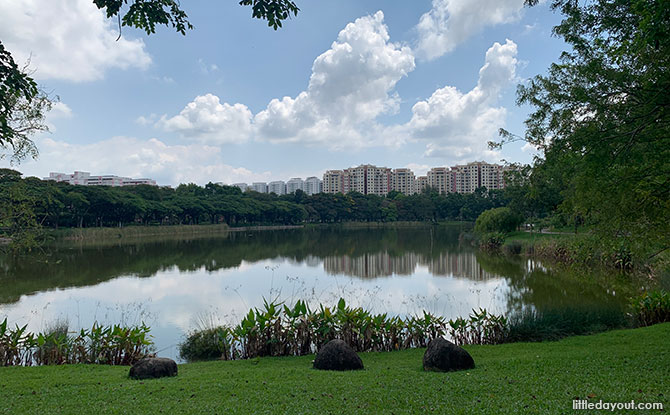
[36, 211]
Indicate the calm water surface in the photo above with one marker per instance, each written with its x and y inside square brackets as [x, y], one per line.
[176, 285]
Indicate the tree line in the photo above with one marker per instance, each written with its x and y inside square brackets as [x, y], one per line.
[31, 201]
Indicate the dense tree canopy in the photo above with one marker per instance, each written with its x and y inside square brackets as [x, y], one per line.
[501, 219]
[53, 204]
[601, 115]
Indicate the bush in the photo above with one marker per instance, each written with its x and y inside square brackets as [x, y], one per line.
[497, 220]
[203, 345]
[651, 308]
[491, 241]
[513, 248]
[533, 326]
[590, 249]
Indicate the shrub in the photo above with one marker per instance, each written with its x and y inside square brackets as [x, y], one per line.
[491, 241]
[651, 308]
[513, 248]
[203, 345]
[555, 324]
[497, 220]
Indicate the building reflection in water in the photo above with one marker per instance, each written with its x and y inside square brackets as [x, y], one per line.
[383, 264]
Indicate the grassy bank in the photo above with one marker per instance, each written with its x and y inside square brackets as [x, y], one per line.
[130, 232]
[617, 366]
[396, 224]
[587, 249]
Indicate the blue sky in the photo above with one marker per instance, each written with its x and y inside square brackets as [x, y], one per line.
[393, 83]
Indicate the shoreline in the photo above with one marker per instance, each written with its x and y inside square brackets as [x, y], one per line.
[106, 234]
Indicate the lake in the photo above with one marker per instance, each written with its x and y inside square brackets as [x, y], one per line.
[176, 285]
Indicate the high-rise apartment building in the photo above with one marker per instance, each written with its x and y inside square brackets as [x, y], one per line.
[294, 184]
[313, 185]
[471, 176]
[366, 179]
[491, 176]
[421, 184]
[466, 178]
[440, 179]
[333, 181]
[260, 187]
[372, 180]
[277, 187]
[403, 181]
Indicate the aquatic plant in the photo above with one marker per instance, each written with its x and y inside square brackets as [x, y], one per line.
[109, 345]
[652, 307]
[480, 328]
[277, 329]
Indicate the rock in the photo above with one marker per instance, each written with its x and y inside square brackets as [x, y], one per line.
[337, 355]
[444, 356]
[153, 367]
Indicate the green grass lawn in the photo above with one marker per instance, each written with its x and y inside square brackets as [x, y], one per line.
[616, 366]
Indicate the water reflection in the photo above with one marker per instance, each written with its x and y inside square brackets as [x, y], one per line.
[383, 264]
[170, 284]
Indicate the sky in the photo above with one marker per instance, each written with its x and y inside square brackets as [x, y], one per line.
[394, 83]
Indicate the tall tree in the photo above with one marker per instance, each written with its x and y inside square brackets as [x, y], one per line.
[601, 115]
[22, 109]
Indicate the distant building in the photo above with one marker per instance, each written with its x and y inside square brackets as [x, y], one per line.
[372, 180]
[294, 184]
[313, 185]
[421, 184]
[467, 178]
[403, 181]
[277, 187]
[366, 179]
[440, 179]
[333, 181]
[242, 186]
[83, 178]
[260, 187]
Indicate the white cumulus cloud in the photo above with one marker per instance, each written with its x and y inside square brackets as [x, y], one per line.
[450, 22]
[207, 119]
[66, 39]
[351, 84]
[458, 125]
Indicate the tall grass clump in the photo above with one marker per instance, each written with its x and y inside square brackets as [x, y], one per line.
[277, 329]
[513, 248]
[108, 345]
[651, 308]
[554, 324]
[594, 250]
